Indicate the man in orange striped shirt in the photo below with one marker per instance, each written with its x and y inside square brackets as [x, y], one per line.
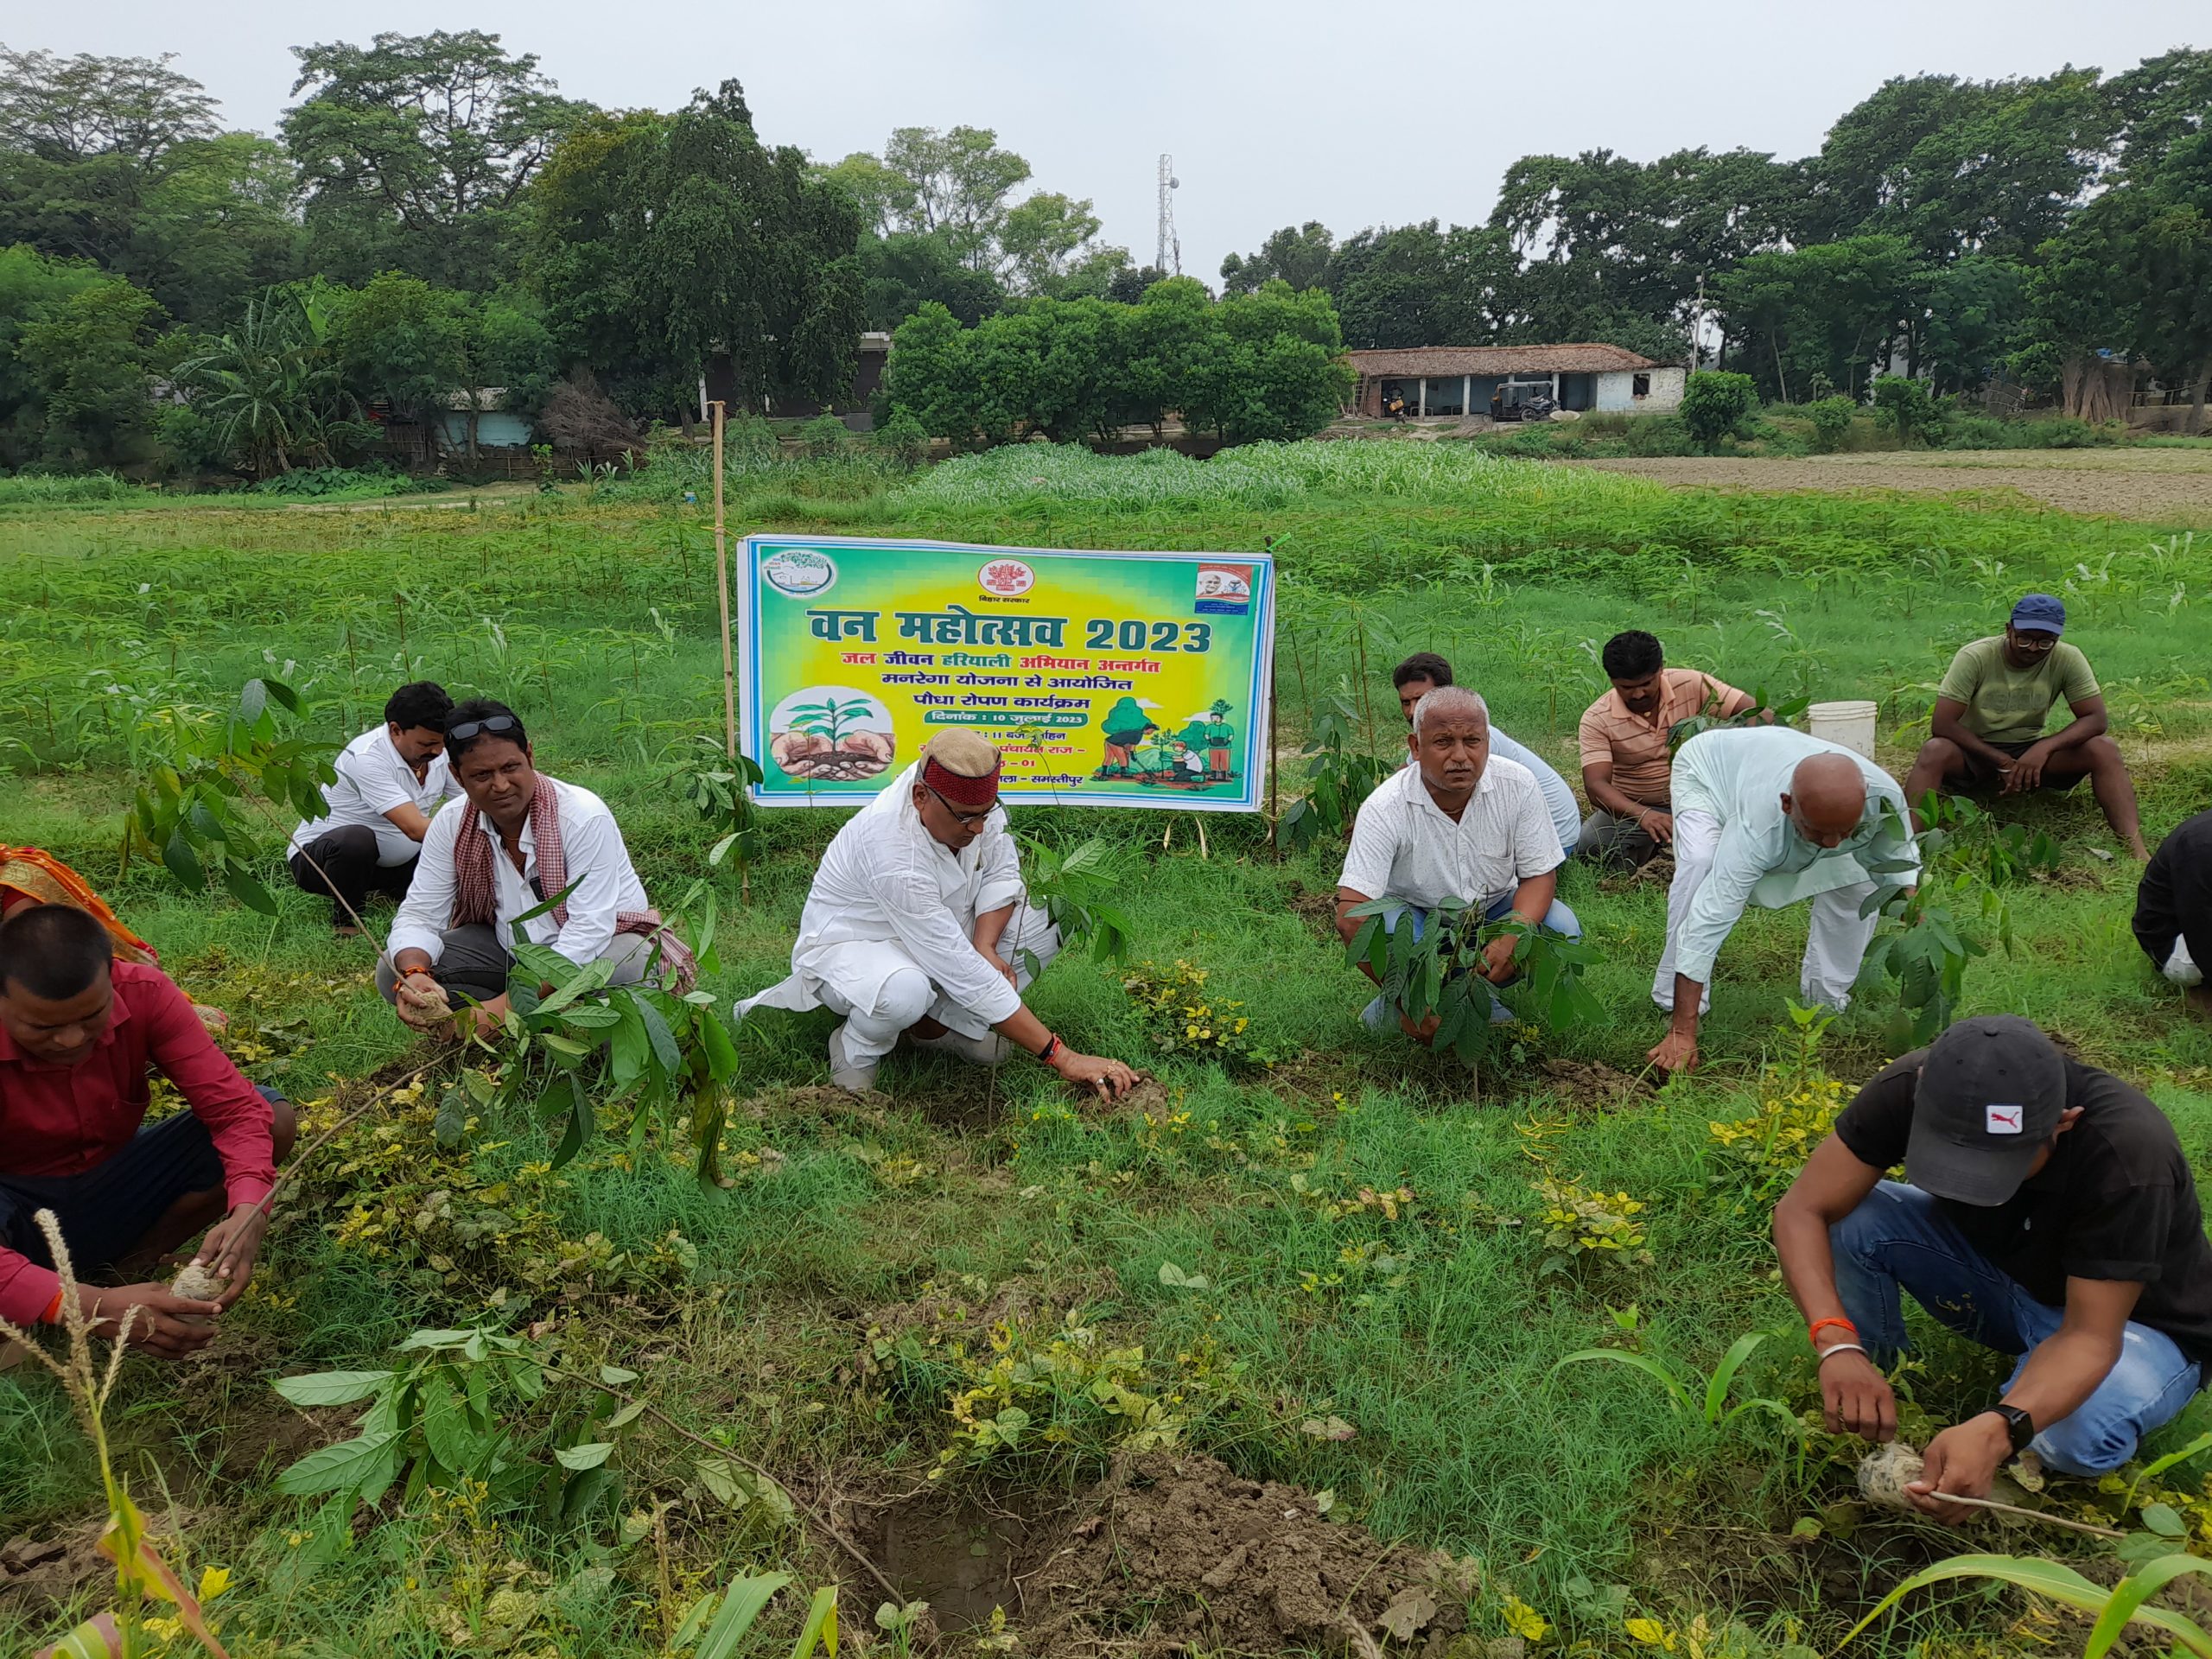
[1625, 754]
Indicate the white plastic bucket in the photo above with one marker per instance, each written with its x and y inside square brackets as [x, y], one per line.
[1851, 724]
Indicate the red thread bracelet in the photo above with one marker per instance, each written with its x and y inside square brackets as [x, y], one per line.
[1813, 1331]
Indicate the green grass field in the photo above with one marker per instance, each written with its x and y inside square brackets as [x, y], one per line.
[873, 1260]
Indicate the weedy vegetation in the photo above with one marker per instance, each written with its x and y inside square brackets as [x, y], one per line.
[606, 1331]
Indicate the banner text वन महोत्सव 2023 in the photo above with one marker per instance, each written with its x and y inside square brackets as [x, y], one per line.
[1108, 679]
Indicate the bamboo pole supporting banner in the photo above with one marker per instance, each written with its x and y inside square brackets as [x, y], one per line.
[722, 599]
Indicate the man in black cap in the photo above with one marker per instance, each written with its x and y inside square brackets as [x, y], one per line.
[2173, 910]
[1987, 732]
[2050, 1215]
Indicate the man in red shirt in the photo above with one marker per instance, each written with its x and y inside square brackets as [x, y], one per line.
[79, 1032]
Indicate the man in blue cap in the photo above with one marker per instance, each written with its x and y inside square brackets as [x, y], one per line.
[1990, 712]
[2051, 1216]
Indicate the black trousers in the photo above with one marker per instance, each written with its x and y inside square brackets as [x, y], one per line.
[348, 860]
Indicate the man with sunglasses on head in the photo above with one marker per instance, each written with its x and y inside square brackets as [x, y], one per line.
[917, 929]
[1986, 733]
[520, 839]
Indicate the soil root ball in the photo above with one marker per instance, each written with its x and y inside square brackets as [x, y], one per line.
[197, 1284]
[1884, 1472]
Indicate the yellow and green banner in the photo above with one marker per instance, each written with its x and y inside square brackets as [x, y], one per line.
[1108, 679]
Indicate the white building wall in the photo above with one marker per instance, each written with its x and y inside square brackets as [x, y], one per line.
[1666, 388]
[1615, 390]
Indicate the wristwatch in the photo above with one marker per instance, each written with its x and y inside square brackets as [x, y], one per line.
[2018, 1424]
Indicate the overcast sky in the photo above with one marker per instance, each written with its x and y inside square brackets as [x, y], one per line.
[1354, 114]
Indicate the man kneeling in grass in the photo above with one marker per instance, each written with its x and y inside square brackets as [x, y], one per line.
[79, 1032]
[2051, 1215]
[1459, 823]
[523, 837]
[918, 928]
[2173, 910]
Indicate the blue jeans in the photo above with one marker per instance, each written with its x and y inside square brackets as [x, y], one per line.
[1898, 1238]
[1377, 1015]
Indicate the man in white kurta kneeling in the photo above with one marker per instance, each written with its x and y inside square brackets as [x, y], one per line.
[918, 926]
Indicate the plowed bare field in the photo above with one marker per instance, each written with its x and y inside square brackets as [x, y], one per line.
[2161, 486]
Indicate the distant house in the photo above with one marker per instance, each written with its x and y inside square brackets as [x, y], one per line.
[720, 381]
[445, 430]
[497, 426]
[1459, 380]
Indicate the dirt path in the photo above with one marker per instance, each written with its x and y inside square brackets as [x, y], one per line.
[2167, 485]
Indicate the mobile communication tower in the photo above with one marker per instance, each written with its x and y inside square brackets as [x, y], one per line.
[1169, 257]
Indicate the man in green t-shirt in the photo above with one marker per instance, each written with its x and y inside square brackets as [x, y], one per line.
[1990, 712]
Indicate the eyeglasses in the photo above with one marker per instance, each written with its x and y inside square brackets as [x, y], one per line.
[965, 820]
[491, 725]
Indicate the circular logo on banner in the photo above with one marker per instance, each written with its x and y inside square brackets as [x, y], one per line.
[1008, 578]
[798, 571]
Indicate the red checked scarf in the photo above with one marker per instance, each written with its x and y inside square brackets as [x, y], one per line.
[475, 896]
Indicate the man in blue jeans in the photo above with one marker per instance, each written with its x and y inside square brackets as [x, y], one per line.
[2051, 1215]
[1461, 824]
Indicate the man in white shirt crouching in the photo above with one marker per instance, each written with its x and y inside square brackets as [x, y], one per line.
[1459, 824]
[391, 779]
[918, 926]
[523, 837]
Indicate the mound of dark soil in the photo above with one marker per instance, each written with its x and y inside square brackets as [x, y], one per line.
[1182, 1554]
[1592, 1083]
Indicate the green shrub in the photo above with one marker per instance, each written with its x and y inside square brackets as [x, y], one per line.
[1715, 406]
[1971, 431]
[1659, 435]
[1831, 419]
[903, 438]
[823, 436]
[320, 483]
[63, 489]
[1904, 405]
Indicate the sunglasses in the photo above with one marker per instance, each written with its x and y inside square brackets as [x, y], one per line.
[491, 725]
[965, 820]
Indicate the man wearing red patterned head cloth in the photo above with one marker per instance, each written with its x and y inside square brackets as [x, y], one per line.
[918, 927]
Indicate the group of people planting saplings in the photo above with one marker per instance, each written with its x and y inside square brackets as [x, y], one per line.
[2047, 1210]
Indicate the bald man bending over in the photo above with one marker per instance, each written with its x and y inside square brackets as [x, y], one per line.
[1768, 816]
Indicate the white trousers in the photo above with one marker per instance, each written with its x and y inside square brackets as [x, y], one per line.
[1834, 946]
[2181, 967]
[904, 993]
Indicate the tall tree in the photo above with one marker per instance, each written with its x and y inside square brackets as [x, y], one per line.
[32, 288]
[660, 242]
[958, 185]
[121, 160]
[78, 356]
[415, 149]
[1615, 247]
[1300, 255]
[1421, 285]
[1816, 320]
[902, 271]
[1042, 236]
[1959, 166]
